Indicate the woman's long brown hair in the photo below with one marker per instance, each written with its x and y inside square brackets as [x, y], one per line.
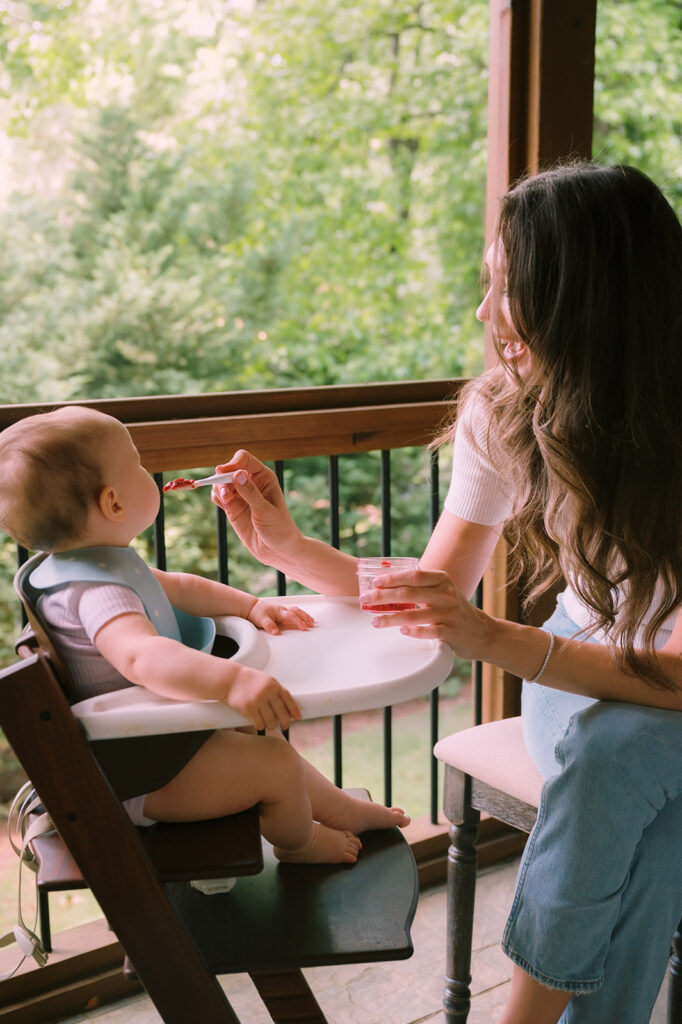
[594, 282]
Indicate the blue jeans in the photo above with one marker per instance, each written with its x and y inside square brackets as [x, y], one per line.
[599, 892]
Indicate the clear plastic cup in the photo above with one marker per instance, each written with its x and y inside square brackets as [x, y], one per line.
[371, 569]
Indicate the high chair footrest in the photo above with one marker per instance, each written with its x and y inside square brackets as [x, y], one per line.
[309, 915]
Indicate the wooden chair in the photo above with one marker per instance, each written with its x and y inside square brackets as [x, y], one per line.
[488, 770]
[277, 919]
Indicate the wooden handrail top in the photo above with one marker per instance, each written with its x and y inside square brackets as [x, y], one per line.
[186, 431]
[150, 408]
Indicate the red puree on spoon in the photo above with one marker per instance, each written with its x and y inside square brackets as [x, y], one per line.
[176, 485]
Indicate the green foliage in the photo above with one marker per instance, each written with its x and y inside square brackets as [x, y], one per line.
[243, 195]
[638, 84]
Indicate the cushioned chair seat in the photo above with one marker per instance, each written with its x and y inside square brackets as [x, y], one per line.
[495, 754]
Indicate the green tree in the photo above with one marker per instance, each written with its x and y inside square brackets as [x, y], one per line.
[268, 204]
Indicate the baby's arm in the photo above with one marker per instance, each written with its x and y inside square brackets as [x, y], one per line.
[200, 596]
[132, 645]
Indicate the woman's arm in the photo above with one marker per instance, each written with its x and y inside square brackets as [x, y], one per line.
[576, 666]
[257, 510]
[258, 513]
[583, 667]
[461, 549]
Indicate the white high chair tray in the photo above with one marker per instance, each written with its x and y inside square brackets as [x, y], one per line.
[342, 664]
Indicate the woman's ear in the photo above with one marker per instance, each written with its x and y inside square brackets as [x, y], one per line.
[110, 506]
[517, 348]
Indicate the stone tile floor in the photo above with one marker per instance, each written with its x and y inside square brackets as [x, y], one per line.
[405, 992]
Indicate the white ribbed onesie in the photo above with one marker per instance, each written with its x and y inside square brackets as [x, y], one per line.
[74, 614]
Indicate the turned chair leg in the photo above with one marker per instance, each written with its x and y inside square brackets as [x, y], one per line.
[675, 991]
[461, 890]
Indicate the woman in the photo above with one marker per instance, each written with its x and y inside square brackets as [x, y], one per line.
[573, 446]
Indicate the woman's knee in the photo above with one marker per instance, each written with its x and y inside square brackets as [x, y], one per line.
[601, 734]
[613, 735]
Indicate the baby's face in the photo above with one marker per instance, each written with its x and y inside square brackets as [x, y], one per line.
[136, 490]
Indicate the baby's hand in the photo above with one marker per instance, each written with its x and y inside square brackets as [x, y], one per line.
[269, 615]
[262, 699]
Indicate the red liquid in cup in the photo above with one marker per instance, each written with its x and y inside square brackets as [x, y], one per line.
[393, 607]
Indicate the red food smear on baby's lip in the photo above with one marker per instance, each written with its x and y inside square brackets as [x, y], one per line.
[179, 484]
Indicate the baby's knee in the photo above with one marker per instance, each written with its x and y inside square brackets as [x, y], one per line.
[282, 757]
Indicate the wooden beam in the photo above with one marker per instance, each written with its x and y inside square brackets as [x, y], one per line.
[559, 119]
[541, 87]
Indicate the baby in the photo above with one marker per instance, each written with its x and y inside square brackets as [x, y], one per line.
[73, 485]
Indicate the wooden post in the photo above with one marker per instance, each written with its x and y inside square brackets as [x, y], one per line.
[539, 110]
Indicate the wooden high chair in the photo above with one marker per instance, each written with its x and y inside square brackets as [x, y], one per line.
[277, 919]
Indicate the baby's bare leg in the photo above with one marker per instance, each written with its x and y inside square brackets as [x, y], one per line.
[533, 1003]
[233, 771]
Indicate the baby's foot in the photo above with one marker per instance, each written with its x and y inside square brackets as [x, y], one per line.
[326, 846]
[363, 815]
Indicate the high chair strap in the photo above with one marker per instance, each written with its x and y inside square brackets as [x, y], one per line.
[25, 937]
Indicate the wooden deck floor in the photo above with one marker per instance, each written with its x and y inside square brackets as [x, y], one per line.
[408, 992]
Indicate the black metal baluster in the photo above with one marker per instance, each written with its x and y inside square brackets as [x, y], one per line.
[385, 503]
[434, 696]
[281, 578]
[386, 551]
[160, 528]
[478, 667]
[335, 540]
[221, 541]
[22, 556]
[333, 481]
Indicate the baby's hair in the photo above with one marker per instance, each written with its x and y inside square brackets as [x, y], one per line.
[51, 475]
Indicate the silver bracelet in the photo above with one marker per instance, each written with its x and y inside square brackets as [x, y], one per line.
[547, 656]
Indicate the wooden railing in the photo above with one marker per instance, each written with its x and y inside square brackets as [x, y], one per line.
[177, 432]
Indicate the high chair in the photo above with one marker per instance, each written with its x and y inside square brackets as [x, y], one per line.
[488, 770]
[277, 919]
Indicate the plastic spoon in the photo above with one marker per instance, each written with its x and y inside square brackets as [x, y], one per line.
[183, 484]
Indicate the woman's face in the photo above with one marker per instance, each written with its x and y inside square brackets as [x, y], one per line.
[494, 309]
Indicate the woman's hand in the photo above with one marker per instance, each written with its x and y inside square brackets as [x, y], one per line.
[256, 508]
[270, 615]
[261, 699]
[442, 613]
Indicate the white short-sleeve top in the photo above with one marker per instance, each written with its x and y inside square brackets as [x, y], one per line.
[481, 491]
